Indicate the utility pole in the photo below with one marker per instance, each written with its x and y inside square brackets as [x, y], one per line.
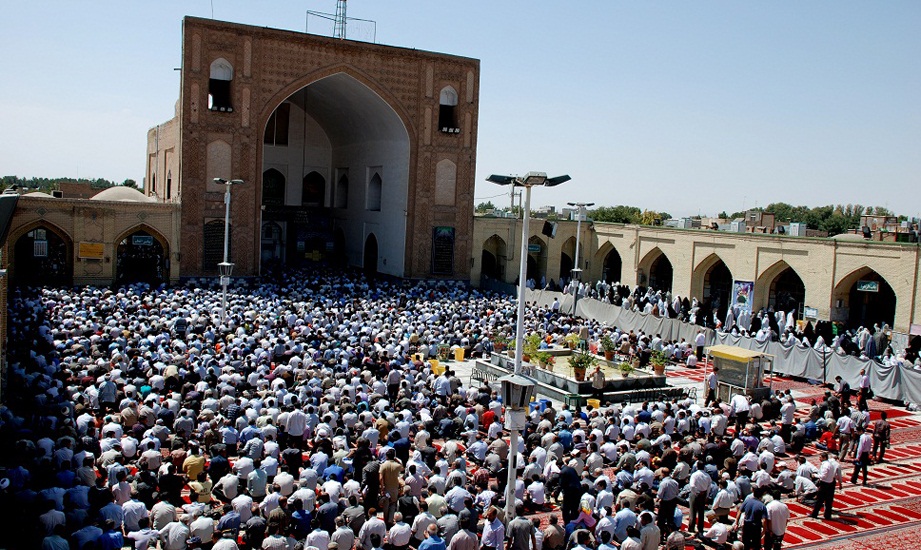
[577, 271]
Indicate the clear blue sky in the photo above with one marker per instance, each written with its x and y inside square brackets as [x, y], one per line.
[680, 106]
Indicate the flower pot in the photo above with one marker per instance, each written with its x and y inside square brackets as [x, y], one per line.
[579, 374]
[659, 370]
[609, 355]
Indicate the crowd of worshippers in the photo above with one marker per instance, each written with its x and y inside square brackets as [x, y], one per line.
[768, 324]
[306, 419]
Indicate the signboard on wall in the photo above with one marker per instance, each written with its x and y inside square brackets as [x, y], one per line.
[534, 249]
[142, 240]
[443, 250]
[810, 313]
[91, 251]
[868, 286]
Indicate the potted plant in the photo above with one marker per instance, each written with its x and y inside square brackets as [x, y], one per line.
[658, 360]
[499, 343]
[530, 346]
[544, 359]
[581, 361]
[626, 369]
[572, 340]
[607, 344]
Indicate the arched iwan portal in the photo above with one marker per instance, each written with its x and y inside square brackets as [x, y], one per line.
[494, 258]
[43, 257]
[717, 289]
[537, 260]
[141, 257]
[655, 271]
[341, 131]
[613, 266]
[866, 299]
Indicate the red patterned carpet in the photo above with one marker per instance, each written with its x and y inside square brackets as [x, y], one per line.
[886, 515]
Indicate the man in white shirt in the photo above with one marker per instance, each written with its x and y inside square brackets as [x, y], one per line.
[740, 406]
[829, 475]
[493, 531]
[700, 491]
[845, 430]
[716, 536]
[804, 490]
[400, 534]
[777, 515]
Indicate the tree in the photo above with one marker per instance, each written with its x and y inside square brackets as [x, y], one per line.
[130, 183]
[616, 214]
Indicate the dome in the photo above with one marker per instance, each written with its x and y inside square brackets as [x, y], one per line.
[38, 195]
[122, 193]
[849, 237]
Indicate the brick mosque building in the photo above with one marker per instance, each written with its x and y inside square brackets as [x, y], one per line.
[349, 151]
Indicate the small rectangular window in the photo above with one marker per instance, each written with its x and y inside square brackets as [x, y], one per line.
[219, 95]
[446, 120]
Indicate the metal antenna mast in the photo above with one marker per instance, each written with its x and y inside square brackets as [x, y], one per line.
[339, 25]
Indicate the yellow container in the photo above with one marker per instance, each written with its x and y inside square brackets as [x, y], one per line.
[458, 354]
[594, 403]
[437, 368]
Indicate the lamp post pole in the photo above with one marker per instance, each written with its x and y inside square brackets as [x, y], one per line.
[577, 271]
[514, 414]
[522, 287]
[225, 268]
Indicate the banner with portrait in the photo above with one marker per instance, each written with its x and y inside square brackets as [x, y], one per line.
[743, 294]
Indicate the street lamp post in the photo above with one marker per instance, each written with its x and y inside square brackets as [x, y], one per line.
[513, 415]
[576, 270]
[225, 268]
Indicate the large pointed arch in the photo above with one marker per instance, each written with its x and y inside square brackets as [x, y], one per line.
[537, 259]
[568, 258]
[863, 297]
[610, 262]
[711, 283]
[355, 130]
[141, 259]
[655, 270]
[31, 266]
[780, 287]
[494, 257]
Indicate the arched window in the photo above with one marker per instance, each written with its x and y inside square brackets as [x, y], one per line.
[313, 189]
[374, 193]
[219, 86]
[273, 188]
[447, 111]
[342, 191]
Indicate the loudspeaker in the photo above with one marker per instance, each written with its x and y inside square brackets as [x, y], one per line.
[549, 229]
[866, 232]
[781, 230]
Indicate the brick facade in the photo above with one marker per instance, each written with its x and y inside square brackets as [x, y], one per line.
[271, 65]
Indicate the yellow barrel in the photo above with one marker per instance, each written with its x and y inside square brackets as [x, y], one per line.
[437, 368]
[458, 354]
[594, 403]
